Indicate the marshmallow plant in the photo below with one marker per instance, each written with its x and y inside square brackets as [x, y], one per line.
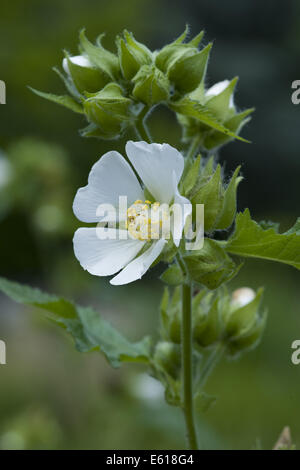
[147, 207]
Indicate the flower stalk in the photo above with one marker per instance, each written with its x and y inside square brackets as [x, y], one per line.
[187, 369]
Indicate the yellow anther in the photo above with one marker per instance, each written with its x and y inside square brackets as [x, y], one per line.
[139, 223]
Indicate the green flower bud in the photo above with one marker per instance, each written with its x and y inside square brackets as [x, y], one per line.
[242, 311]
[109, 110]
[243, 323]
[132, 55]
[218, 104]
[84, 75]
[151, 85]
[207, 326]
[183, 63]
[105, 61]
[205, 185]
[211, 266]
[167, 357]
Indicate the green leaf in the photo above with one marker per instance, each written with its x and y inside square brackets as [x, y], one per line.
[251, 240]
[173, 275]
[234, 124]
[64, 100]
[229, 204]
[89, 330]
[194, 109]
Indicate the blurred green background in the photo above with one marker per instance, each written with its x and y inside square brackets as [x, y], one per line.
[50, 395]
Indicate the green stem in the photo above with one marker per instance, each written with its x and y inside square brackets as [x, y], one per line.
[141, 126]
[187, 369]
[193, 147]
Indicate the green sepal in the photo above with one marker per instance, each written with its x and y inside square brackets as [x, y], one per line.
[104, 60]
[68, 84]
[207, 325]
[173, 275]
[211, 195]
[189, 70]
[64, 100]
[132, 55]
[219, 104]
[190, 179]
[210, 266]
[109, 109]
[226, 218]
[88, 79]
[151, 86]
[167, 356]
[166, 55]
[249, 339]
[241, 320]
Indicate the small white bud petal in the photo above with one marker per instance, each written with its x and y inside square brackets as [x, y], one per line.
[80, 60]
[242, 297]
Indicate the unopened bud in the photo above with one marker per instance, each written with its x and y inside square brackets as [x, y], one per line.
[85, 76]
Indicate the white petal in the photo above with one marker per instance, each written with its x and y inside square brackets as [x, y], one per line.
[184, 208]
[137, 268]
[109, 178]
[217, 88]
[155, 164]
[104, 257]
[77, 60]
[242, 297]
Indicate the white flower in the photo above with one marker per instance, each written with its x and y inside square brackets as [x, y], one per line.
[134, 245]
[218, 88]
[80, 60]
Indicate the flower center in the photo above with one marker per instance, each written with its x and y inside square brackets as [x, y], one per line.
[148, 221]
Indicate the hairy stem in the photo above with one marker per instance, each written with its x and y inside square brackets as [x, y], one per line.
[141, 127]
[187, 369]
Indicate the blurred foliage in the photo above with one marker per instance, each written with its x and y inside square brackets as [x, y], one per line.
[52, 397]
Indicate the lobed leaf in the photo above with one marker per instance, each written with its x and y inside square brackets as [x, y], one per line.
[252, 240]
[89, 330]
